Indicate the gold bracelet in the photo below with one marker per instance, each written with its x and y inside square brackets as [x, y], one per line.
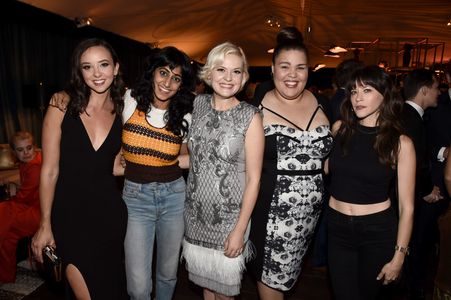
[404, 250]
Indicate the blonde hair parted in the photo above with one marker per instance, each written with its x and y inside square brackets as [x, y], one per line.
[20, 136]
[216, 57]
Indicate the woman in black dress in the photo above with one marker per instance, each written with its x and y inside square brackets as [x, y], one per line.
[83, 215]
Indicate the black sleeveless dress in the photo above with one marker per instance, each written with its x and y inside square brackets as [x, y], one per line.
[89, 218]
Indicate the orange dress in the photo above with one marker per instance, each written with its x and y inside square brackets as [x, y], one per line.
[19, 217]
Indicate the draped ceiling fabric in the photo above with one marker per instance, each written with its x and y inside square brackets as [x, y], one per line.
[196, 25]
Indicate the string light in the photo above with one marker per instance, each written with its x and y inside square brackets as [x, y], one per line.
[83, 21]
[272, 21]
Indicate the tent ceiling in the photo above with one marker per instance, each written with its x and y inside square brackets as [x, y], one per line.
[195, 26]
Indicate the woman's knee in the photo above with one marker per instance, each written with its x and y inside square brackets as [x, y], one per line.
[77, 283]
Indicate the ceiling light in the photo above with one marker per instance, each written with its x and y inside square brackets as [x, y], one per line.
[83, 21]
[152, 45]
[270, 50]
[449, 23]
[272, 21]
[337, 49]
[318, 66]
[331, 54]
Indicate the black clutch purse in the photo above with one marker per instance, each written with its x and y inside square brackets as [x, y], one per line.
[52, 263]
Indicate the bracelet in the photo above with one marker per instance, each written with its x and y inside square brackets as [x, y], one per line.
[401, 249]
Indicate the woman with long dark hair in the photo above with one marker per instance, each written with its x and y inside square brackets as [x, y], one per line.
[367, 244]
[156, 119]
[82, 213]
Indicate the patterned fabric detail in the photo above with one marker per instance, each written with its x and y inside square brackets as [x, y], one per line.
[296, 203]
[146, 145]
[217, 169]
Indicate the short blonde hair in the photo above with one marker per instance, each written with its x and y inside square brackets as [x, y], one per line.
[20, 135]
[216, 56]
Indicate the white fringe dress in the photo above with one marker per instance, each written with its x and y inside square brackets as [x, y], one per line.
[214, 194]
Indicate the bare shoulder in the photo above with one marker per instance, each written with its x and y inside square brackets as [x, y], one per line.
[256, 122]
[405, 141]
[406, 146]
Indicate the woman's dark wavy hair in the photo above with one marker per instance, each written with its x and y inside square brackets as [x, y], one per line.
[182, 102]
[390, 128]
[289, 38]
[79, 91]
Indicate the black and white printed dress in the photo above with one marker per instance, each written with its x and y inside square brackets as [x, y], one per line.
[289, 202]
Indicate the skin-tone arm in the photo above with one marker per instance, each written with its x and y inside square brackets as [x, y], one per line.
[448, 175]
[254, 146]
[406, 184]
[446, 153]
[119, 165]
[184, 157]
[51, 137]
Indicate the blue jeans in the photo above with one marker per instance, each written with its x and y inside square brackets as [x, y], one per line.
[154, 209]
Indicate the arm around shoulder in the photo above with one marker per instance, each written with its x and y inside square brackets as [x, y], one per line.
[59, 100]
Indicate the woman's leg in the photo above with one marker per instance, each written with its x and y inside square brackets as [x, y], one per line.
[342, 256]
[139, 239]
[267, 293]
[223, 297]
[378, 238]
[169, 233]
[77, 283]
[210, 295]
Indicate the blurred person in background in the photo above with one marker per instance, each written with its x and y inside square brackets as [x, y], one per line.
[20, 215]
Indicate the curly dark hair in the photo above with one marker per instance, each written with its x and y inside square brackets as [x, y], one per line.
[390, 128]
[182, 102]
[79, 91]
